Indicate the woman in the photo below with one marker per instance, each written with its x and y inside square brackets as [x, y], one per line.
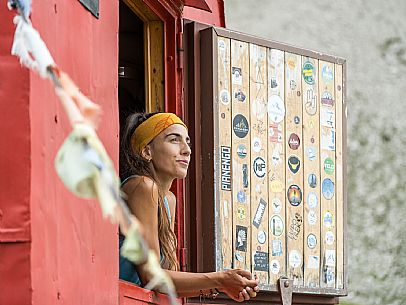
[157, 150]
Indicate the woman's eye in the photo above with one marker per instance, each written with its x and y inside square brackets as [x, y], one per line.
[174, 140]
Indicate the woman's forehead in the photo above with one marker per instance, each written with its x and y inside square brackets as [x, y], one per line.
[177, 129]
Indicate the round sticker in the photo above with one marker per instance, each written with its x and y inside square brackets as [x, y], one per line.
[225, 97]
[311, 241]
[276, 225]
[276, 186]
[294, 164]
[329, 238]
[294, 195]
[240, 126]
[241, 213]
[328, 219]
[312, 180]
[222, 45]
[259, 167]
[327, 74]
[241, 151]
[276, 109]
[308, 73]
[275, 266]
[327, 188]
[256, 144]
[261, 237]
[239, 257]
[329, 166]
[311, 153]
[312, 217]
[276, 205]
[295, 259]
[241, 197]
[312, 200]
[294, 141]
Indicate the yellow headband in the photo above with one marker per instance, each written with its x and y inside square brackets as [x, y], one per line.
[152, 127]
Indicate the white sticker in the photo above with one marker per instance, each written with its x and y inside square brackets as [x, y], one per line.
[295, 259]
[239, 257]
[256, 144]
[237, 76]
[275, 266]
[327, 117]
[313, 262]
[312, 217]
[261, 237]
[312, 200]
[328, 139]
[329, 238]
[225, 97]
[276, 109]
[276, 205]
[330, 258]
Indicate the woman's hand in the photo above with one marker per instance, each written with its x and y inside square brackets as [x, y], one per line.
[238, 285]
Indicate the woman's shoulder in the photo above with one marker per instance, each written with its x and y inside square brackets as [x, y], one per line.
[140, 185]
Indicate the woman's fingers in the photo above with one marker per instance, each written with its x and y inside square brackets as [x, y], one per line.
[245, 294]
[251, 292]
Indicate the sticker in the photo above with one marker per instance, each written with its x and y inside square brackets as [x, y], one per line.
[327, 99]
[241, 197]
[241, 238]
[312, 218]
[328, 139]
[259, 108]
[236, 76]
[294, 164]
[308, 72]
[261, 237]
[296, 120]
[239, 257]
[313, 262]
[327, 117]
[292, 85]
[240, 96]
[312, 180]
[276, 205]
[259, 213]
[294, 228]
[225, 160]
[225, 208]
[311, 102]
[276, 225]
[274, 82]
[241, 151]
[294, 195]
[276, 186]
[259, 167]
[330, 276]
[294, 141]
[311, 153]
[311, 241]
[328, 219]
[275, 266]
[221, 45]
[261, 260]
[276, 109]
[327, 188]
[241, 213]
[291, 63]
[275, 135]
[329, 238]
[240, 126]
[295, 259]
[277, 249]
[245, 175]
[329, 166]
[330, 258]
[327, 74]
[225, 97]
[276, 154]
[312, 200]
[256, 144]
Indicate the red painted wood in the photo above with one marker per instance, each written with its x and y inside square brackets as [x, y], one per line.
[215, 17]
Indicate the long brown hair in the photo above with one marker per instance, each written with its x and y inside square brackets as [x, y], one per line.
[137, 165]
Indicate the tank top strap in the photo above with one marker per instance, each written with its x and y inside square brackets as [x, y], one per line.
[127, 179]
[168, 210]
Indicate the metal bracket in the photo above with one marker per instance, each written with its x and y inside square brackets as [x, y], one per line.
[285, 287]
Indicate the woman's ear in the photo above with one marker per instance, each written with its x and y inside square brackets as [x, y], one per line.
[146, 153]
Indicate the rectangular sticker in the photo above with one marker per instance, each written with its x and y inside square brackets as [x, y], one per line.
[259, 213]
[261, 261]
[241, 238]
[225, 160]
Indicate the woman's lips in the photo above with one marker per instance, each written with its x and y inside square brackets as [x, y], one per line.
[184, 162]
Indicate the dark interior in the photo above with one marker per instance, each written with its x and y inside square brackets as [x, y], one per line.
[131, 80]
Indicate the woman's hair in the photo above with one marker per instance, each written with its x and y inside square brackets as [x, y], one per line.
[137, 165]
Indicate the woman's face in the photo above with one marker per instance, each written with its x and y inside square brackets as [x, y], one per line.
[170, 152]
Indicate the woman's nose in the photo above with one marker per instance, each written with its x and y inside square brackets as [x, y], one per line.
[186, 149]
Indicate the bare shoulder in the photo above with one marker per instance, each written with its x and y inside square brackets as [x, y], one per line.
[142, 191]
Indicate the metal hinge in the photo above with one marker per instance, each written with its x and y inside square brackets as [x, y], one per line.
[285, 287]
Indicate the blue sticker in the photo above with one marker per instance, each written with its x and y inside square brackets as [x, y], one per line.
[311, 153]
[312, 180]
[241, 197]
[327, 188]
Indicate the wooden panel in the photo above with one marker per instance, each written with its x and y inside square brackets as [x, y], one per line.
[311, 170]
[276, 163]
[339, 175]
[294, 170]
[241, 154]
[259, 168]
[327, 168]
[224, 138]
